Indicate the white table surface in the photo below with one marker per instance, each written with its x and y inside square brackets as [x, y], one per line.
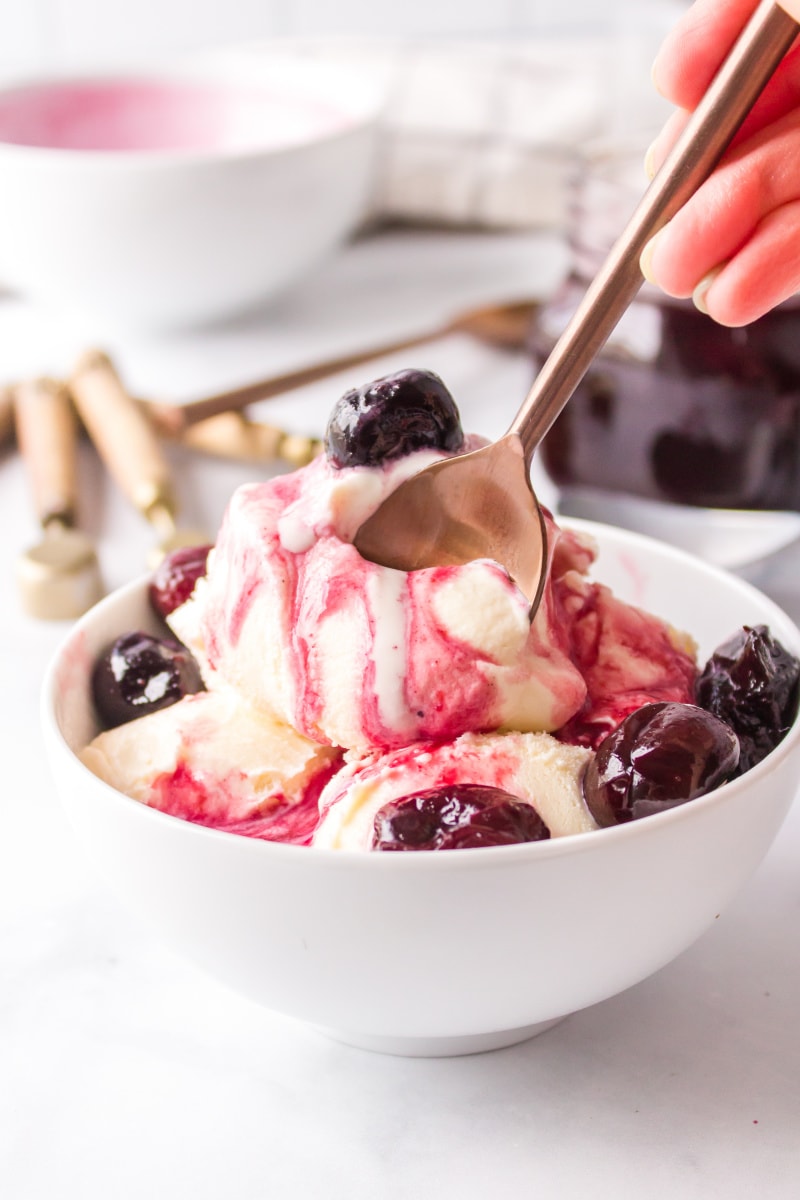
[125, 1073]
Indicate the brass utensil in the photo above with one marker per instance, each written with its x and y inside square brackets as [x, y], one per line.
[482, 505]
[59, 577]
[234, 435]
[504, 325]
[130, 449]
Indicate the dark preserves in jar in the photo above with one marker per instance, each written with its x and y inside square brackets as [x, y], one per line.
[675, 407]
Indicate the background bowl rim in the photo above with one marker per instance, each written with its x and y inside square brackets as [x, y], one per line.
[359, 109]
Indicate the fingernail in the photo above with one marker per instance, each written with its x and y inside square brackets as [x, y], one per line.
[650, 161]
[701, 291]
[654, 73]
[646, 259]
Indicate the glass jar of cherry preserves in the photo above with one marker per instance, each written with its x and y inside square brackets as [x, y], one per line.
[675, 407]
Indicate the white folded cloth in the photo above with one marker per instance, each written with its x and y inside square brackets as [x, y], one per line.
[487, 135]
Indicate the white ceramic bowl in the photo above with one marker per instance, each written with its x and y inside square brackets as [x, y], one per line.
[178, 196]
[437, 953]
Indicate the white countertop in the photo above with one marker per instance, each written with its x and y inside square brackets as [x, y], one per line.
[125, 1073]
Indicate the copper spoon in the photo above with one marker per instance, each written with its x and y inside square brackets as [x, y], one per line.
[59, 577]
[130, 449]
[482, 505]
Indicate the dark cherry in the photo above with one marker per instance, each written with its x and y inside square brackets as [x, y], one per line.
[463, 816]
[174, 578]
[391, 417]
[140, 674]
[750, 682]
[660, 756]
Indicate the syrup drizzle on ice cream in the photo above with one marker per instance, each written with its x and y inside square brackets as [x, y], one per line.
[337, 688]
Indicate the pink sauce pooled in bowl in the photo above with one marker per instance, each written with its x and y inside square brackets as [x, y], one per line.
[155, 116]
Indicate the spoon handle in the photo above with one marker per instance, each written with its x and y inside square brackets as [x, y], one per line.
[737, 85]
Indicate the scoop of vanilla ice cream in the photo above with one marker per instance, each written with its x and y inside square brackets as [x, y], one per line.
[534, 767]
[358, 655]
[210, 757]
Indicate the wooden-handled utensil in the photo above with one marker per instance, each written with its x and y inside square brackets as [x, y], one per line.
[59, 577]
[505, 325]
[129, 446]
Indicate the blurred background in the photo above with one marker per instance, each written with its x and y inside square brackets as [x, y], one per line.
[45, 34]
[498, 159]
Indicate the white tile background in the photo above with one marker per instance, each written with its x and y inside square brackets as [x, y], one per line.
[37, 35]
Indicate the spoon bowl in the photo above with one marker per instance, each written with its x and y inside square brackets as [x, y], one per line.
[458, 510]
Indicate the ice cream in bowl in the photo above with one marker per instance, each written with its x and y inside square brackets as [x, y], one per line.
[393, 805]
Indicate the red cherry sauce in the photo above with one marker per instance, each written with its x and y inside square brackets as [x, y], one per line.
[192, 797]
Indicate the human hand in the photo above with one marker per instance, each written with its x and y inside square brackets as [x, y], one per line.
[734, 247]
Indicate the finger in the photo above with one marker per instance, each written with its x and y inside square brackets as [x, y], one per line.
[722, 215]
[666, 139]
[696, 46]
[765, 271]
[781, 97]
[686, 65]
[792, 7]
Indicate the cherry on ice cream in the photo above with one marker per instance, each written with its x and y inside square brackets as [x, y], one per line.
[391, 417]
[660, 756]
[461, 817]
[140, 674]
[750, 682]
[174, 579]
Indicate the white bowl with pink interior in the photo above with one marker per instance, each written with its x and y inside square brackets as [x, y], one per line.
[437, 953]
[179, 195]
